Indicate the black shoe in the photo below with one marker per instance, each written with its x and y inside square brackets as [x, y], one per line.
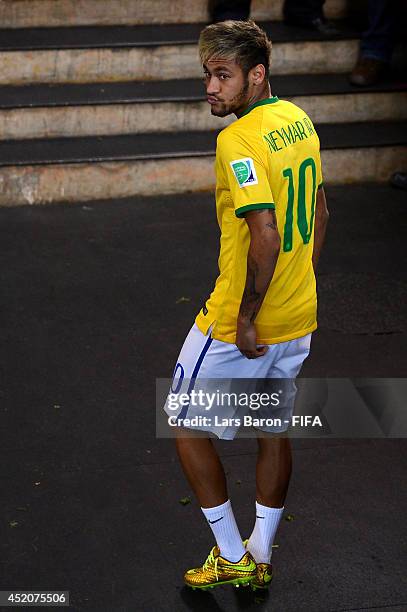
[324, 27]
[319, 24]
[367, 71]
[235, 16]
[221, 10]
[399, 180]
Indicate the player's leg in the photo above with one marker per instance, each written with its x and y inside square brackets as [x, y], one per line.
[228, 561]
[274, 461]
[273, 469]
[203, 469]
[273, 472]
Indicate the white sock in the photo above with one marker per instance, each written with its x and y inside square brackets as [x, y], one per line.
[261, 541]
[223, 524]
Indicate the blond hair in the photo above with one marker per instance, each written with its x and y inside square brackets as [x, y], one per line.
[241, 41]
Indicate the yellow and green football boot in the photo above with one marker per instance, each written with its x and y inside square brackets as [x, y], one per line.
[216, 570]
[264, 574]
[263, 578]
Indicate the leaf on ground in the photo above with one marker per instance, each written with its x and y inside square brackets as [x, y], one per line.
[275, 546]
[183, 299]
[13, 523]
[238, 481]
[289, 517]
[184, 501]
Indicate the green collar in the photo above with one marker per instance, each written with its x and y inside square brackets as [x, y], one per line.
[259, 103]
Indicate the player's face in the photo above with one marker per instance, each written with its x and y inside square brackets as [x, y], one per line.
[227, 88]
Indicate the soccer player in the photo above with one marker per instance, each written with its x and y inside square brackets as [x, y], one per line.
[258, 321]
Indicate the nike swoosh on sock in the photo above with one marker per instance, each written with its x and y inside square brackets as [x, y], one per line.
[219, 519]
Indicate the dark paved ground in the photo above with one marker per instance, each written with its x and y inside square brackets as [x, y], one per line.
[90, 316]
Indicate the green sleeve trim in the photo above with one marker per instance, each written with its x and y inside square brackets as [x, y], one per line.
[239, 212]
[321, 185]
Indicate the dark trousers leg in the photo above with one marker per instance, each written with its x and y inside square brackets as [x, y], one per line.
[378, 40]
[229, 9]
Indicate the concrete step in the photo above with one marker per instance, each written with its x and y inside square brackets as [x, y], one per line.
[54, 13]
[100, 54]
[176, 90]
[81, 169]
[103, 37]
[49, 111]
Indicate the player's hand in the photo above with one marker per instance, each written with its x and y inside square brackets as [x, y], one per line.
[246, 340]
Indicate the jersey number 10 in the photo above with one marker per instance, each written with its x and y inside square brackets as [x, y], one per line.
[304, 229]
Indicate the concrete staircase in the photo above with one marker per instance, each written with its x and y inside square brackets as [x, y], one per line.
[113, 105]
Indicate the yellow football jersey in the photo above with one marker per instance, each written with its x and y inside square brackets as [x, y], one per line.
[268, 158]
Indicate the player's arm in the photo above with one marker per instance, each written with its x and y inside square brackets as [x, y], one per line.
[261, 262]
[321, 221]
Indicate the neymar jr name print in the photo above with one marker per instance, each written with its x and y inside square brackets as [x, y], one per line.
[289, 134]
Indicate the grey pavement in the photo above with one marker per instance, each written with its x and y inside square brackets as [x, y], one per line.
[91, 314]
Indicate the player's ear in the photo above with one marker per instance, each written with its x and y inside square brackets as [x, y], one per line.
[258, 74]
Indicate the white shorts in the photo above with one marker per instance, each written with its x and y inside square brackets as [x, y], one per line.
[203, 361]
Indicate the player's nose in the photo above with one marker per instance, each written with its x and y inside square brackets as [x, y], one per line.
[213, 86]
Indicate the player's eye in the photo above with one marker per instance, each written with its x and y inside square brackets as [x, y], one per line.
[223, 76]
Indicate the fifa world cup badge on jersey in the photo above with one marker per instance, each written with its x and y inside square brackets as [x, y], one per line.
[244, 171]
